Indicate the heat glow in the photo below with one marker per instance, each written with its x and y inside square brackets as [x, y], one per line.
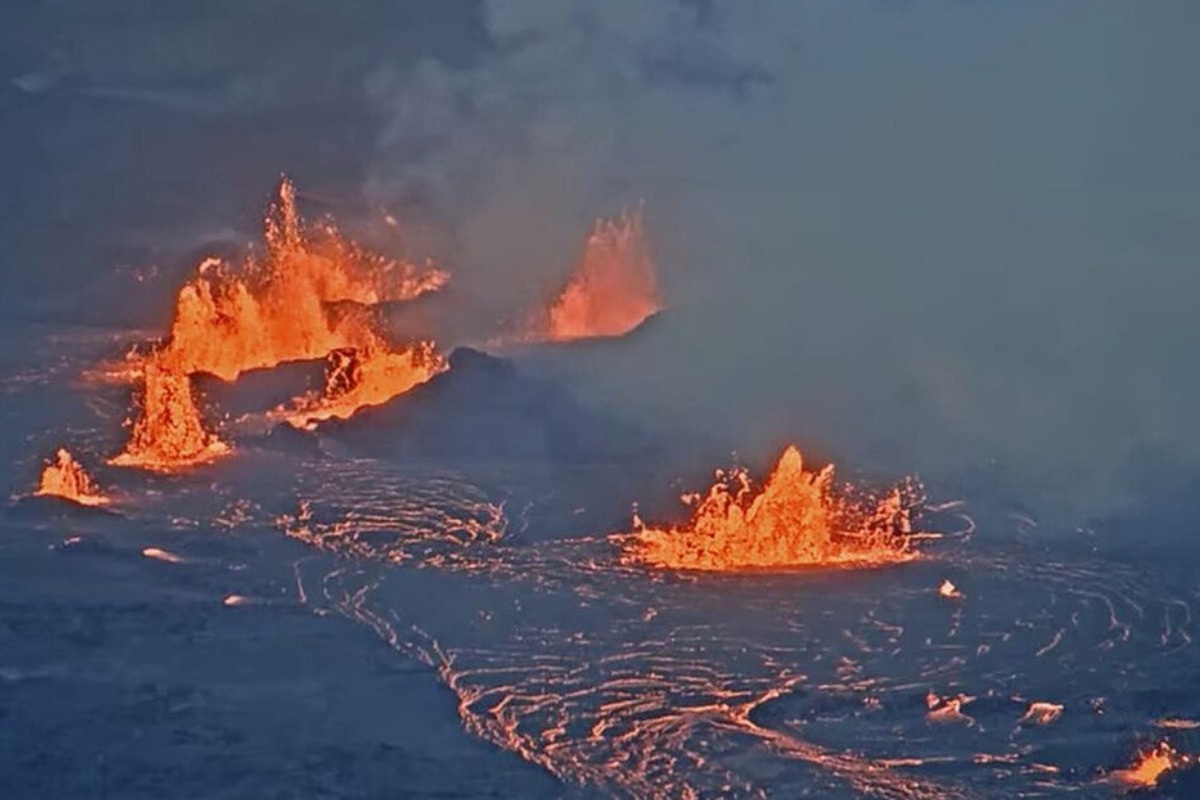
[65, 477]
[797, 519]
[357, 378]
[612, 291]
[169, 432]
[1149, 767]
[304, 299]
[309, 296]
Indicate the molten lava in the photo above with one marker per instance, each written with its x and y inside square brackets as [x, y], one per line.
[356, 379]
[613, 290]
[949, 591]
[65, 477]
[284, 307]
[1150, 766]
[1041, 713]
[796, 519]
[169, 433]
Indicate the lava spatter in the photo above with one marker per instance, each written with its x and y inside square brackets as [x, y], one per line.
[797, 519]
[285, 306]
[1149, 767]
[65, 477]
[358, 378]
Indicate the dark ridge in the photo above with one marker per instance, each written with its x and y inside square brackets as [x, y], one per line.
[483, 408]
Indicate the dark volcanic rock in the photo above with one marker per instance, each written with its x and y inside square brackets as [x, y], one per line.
[260, 389]
[483, 408]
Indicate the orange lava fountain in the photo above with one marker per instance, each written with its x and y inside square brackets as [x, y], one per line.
[282, 308]
[356, 379]
[797, 519]
[1149, 767]
[65, 477]
[169, 433]
[614, 289]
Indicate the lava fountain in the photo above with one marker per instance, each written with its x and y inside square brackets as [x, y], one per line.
[357, 378]
[169, 432]
[303, 300]
[65, 477]
[612, 291]
[797, 519]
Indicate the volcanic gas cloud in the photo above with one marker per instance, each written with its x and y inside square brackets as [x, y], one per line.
[612, 291]
[798, 518]
[65, 477]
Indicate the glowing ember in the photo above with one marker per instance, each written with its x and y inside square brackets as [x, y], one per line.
[281, 308]
[158, 554]
[65, 477]
[1150, 766]
[356, 379]
[169, 433]
[614, 289]
[949, 591]
[948, 709]
[1041, 713]
[1173, 723]
[797, 519]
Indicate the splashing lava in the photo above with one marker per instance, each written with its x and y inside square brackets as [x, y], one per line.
[614, 289]
[65, 477]
[798, 519]
[282, 308]
[169, 433]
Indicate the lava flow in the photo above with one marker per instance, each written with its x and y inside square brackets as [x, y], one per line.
[65, 477]
[169, 433]
[1150, 766]
[357, 378]
[797, 519]
[614, 289]
[286, 307]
